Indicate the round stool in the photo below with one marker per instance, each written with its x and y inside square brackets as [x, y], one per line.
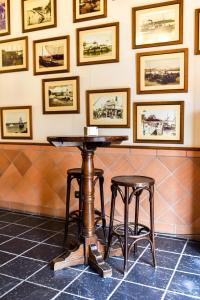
[78, 214]
[129, 188]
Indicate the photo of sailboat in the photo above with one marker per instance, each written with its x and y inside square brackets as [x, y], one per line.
[51, 56]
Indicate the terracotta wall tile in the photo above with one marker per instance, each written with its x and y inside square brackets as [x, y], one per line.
[177, 153]
[148, 152]
[193, 153]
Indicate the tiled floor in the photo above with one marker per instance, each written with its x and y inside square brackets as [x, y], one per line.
[28, 243]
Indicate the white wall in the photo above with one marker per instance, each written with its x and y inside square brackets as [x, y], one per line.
[22, 88]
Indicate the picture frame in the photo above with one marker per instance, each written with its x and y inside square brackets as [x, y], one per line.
[61, 95]
[4, 17]
[14, 55]
[38, 14]
[51, 55]
[149, 29]
[84, 10]
[16, 122]
[108, 108]
[197, 32]
[164, 71]
[158, 122]
[98, 44]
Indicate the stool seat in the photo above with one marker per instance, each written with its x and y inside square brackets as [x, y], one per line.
[133, 181]
[78, 171]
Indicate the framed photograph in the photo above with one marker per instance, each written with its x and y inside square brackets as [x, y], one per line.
[84, 10]
[51, 55]
[4, 17]
[197, 32]
[38, 14]
[16, 122]
[61, 95]
[157, 24]
[14, 55]
[159, 122]
[108, 108]
[162, 71]
[98, 44]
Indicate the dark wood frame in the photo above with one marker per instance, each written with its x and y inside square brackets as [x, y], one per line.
[136, 140]
[89, 18]
[25, 38]
[196, 32]
[126, 90]
[78, 30]
[30, 122]
[39, 27]
[67, 38]
[8, 19]
[77, 93]
[138, 71]
[135, 9]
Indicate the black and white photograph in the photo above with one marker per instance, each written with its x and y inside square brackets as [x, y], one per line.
[38, 14]
[108, 108]
[158, 121]
[4, 17]
[60, 95]
[89, 9]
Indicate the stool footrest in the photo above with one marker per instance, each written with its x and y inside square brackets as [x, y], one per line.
[118, 230]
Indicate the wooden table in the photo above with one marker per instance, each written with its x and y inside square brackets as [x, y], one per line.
[91, 249]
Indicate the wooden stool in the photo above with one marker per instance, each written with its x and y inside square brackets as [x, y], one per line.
[130, 187]
[78, 214]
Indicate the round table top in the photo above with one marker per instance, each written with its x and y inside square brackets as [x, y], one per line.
[87, 139]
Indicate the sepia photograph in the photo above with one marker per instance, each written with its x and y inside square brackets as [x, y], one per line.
[84, 10]
[108, 108]
[159, 122]
[158, 24]
[38, 14]
[197, 32]
[98, 44]
[61, 95]
[4, 17]
[14, 55]
[162, 71]
[16, 122]
[51, 55]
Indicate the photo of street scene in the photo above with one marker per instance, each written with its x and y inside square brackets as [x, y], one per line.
[51, 54]
[89, 6]
[38, 12]
[157, 25]
[98, 44]
[162, 72]
[12, 57]
[16, 122]
[158, 122]
[61, 95]
[107, 107]
[2, 16]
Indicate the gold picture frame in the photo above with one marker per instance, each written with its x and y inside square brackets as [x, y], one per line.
[4, 17]
[87, 10]
[197, 32]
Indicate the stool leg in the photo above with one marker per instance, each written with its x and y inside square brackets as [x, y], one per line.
[69, 179]
[101, 181]
[137, 198]
[126, 196]
[112, 212]
[151, 203]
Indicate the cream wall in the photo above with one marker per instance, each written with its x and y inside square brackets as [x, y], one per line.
[22, 88]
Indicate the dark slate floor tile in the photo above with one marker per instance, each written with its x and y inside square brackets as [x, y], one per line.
[54, 225]
[13, 230]
[131, 291]
[3, 224]
[171, 245]
[4, 238]
[193, 248]
[188, 284]
[5, 257]
[173, 296]
[21, 267]
[30, 292]
[163, 259]
[37, 235]
[147, 275]
[11, 217]
[3, 212]
[7, 283]
[58, 280]
[189, 264]
[44, 252]
[17, 246]
[31, 221]
[65, 296]
[56, 240]
[92, 286]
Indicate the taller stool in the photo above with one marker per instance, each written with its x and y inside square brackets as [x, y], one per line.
[129, 188]
[77, 215]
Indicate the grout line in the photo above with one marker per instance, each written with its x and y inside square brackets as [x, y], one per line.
[167, 287]
[81, 297]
